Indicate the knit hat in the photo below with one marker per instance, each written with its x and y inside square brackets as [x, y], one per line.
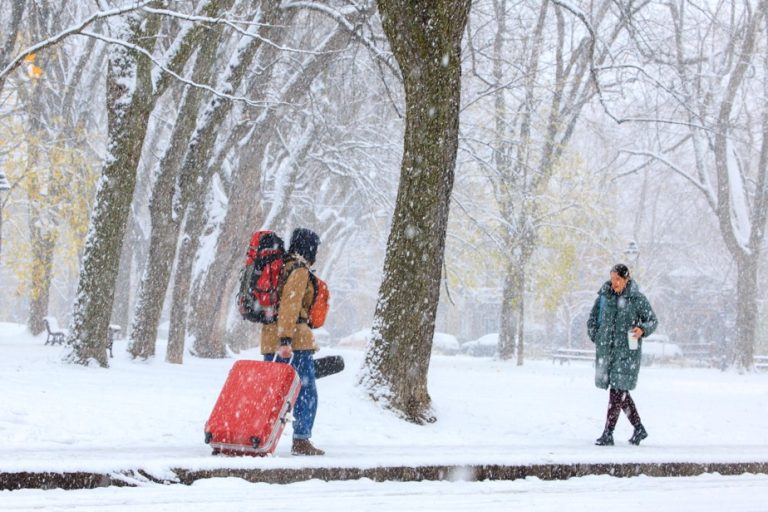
[304, 242]
[621, 269]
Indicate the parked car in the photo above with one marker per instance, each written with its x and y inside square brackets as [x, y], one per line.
[485, 346]
[358, 340]
[443, 343]
[658, 348]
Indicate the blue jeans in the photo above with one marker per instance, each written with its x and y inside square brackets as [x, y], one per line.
[306, 404]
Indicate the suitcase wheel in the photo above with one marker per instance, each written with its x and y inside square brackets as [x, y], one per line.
[255, 442]
[208, 437]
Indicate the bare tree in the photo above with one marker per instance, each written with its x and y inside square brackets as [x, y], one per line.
[540, 86]
[213, 298]
[715, 134]
[165, 206]
[57, 160]
[202, 161]
[426, 41]
[131, 95]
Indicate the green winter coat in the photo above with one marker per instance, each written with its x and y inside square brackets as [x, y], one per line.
[612, 316]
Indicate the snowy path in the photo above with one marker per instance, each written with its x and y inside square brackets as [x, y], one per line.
[150, 416]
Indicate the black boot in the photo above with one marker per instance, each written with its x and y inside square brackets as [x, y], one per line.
[606, 439]
[639, 435]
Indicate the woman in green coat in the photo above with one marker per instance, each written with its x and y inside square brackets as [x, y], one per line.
[620, 318]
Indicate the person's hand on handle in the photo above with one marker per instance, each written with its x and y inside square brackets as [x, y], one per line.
[285, 351]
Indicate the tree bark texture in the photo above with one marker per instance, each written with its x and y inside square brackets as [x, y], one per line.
[164, 214]
[42, 262]
[42, 225]
[129, 102]
[187, 182]
[426, 40]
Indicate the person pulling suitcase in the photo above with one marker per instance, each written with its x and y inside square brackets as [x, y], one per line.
[290, 339]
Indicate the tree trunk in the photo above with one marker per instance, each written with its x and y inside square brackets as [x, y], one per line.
[213, 300]
[129, 102]
[746, 310]
[520, 334]
[121, 306]
[508, 313]
[186, 182]
[164, 207]
[182, 283]
[43, 245]
[426, 41]
[746, 257]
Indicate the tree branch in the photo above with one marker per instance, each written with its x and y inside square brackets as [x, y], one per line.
[74, 30]
[165, 69]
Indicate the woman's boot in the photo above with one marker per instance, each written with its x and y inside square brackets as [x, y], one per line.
[639, 435]
[606, 439]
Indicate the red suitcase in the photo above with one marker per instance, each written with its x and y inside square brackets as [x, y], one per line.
[253, 408]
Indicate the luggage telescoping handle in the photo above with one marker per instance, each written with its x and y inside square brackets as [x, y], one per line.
[289, 361]
[288, 416]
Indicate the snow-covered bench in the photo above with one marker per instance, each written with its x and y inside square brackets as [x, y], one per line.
[55, 333]
[761, 362]
[572, 354]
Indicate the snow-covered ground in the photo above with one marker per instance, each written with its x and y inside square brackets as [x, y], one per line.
[150, 416]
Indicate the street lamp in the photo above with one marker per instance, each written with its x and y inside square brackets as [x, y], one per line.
[632, 252]
[4, 188]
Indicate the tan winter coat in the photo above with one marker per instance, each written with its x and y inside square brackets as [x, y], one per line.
[296, 298]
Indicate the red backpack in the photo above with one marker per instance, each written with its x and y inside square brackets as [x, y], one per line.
[258, 298]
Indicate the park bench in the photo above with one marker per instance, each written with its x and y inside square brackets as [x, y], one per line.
[564, 355]
[761, 362]
[55, 333]
[700, 354]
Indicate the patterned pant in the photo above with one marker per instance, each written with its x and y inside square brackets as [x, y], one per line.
[618, 400]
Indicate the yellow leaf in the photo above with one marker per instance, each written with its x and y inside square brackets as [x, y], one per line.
[35, 71]
[30, 57]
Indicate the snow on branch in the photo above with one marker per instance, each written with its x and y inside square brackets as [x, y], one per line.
[582, 16]
[232, 24]
[341, 18]
[165, 69]
[656, 83]
[708, 193]
[74, 30]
